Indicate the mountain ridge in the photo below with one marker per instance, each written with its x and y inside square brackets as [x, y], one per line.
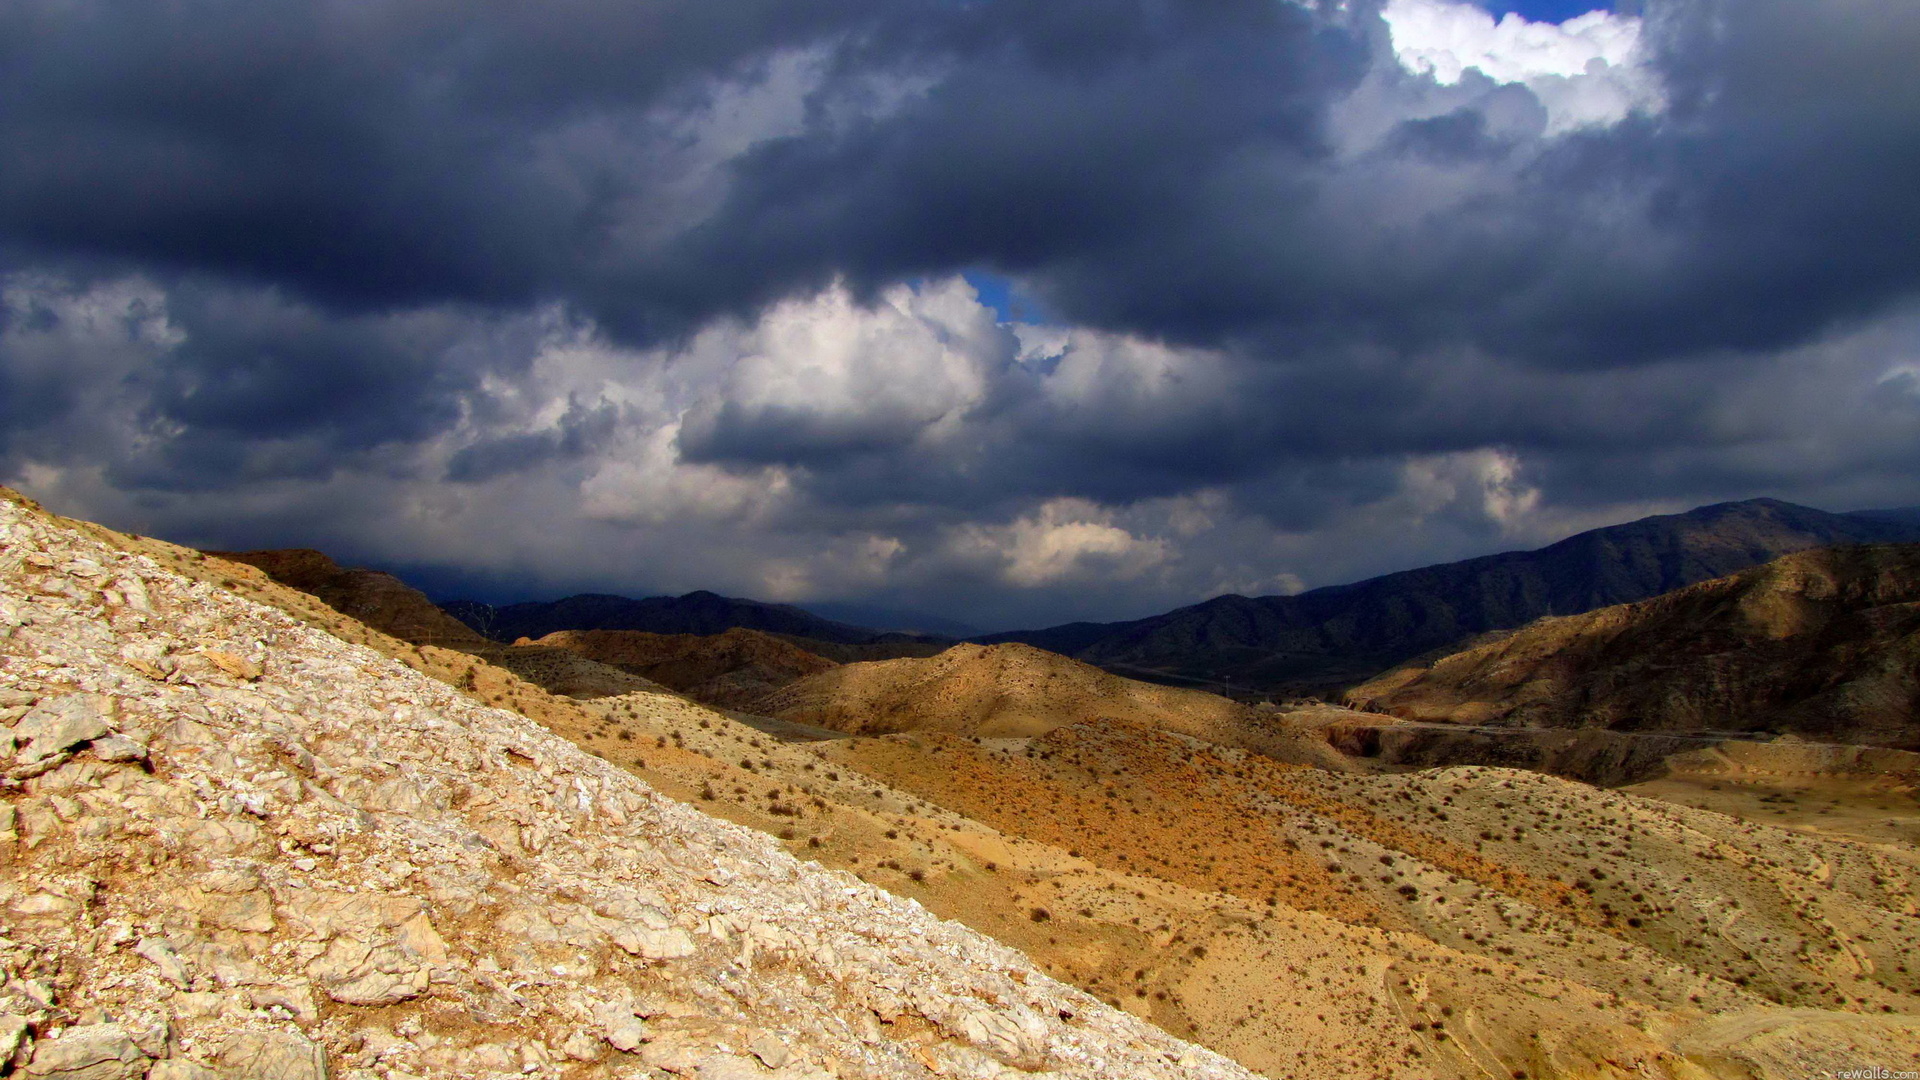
[1822, 644]
[698, 612]
[1345, 633]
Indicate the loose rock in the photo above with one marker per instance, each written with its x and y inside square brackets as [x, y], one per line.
[93, 1052]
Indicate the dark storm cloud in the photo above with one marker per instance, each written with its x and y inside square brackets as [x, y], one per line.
[1177, 182]
[1163, 168]
[581, 430]
[221, 385]
[315, 260]
[1058, 133]
[372, 155]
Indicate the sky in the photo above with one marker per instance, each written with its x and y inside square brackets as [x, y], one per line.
[1013, 311]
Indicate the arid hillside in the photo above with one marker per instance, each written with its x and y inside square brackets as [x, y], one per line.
[1001, 691]
[234, 847]
[1823, 644]
[1456, 923]
[732, 670]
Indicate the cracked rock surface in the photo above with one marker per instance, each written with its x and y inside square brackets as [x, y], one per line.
[233, 846]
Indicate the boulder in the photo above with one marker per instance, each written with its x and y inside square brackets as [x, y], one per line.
[91, 1052]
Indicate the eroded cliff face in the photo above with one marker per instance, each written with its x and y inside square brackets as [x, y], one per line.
[234, 846]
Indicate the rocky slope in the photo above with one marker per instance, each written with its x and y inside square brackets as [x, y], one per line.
[732, 670]
[1823, 644]
[234, 846]
[1343, 634]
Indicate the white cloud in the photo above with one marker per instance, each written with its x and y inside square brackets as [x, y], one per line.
[1062, 539]
[825, 374]
[1585, 71]
[1484, 482]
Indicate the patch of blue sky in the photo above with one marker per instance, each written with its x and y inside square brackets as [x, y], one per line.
[1553, 11]
[1009, 305]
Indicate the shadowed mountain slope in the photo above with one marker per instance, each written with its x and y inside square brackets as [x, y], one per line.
[1344, 633]
[695, 613]
[733, 670]
[377, 599]
[1823, 644]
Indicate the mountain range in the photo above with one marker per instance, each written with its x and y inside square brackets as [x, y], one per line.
[695, 613]
[1343, 634]
[1316, 642]
[1821, 644]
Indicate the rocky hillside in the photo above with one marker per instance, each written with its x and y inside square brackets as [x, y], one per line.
[1346, 633]
[733, 670]
[1823, 644]
[234, 846]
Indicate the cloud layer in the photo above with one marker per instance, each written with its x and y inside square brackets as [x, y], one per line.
[670, 297]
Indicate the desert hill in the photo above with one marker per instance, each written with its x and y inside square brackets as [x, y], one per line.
[1823, 644]
[1568, 883]
[695, 613]
[731, 670]
[881, 647]
[1449, 924]
[237, 847]
[1001, 691]
[1346, 633]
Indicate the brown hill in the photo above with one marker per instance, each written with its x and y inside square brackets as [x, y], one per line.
[1576, 908]
[1017, 691]
[377, 599]
[1823, 644]
[883, 647]
[732, 670]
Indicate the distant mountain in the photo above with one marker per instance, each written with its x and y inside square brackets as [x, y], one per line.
[896, 620]
[732, 670]
[1824, 644]
[1900, 515]
[695, 613]
[1342, 634]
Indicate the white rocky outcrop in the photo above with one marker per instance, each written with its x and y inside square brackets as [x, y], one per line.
[232, 846]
